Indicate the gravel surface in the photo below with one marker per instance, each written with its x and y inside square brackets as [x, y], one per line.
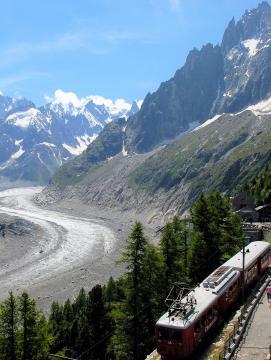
[71, 245]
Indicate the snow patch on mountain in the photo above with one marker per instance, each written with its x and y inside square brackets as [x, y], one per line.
[261, 108]
[208, 122]
[251, 45]
[47, 144]
[139, 103]
[18, 153]
[82, 141]
[23, 119]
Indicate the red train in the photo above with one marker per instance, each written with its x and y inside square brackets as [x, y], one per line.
[192, 316]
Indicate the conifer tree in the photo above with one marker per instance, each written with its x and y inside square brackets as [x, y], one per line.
[9, 328]
[151, 294]
[98, 323]
[28, 318]
[174, 249]
[56, 322]
[128, 340]
[217, 234]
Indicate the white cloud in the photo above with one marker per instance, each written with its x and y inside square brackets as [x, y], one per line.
[114, 106]
[67, 98]
[175, 5]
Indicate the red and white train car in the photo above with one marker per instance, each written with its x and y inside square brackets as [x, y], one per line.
[191, 318]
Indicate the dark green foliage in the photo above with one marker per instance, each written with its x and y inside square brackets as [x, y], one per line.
[24, 331]
[136, 313]
[56, 323]
[9, 329]
[217, 234]
[260, 187]
[133, 305]
[98, 323]
[174, 247]
[29, 317]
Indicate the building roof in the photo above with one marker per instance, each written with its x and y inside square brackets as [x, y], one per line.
[258, 208]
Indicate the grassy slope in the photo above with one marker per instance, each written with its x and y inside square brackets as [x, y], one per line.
[220, 156]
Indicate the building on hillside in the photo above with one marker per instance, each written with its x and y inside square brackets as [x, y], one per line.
[264, 212]
[243, 206]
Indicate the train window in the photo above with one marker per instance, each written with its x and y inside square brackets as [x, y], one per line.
[203, 320]
[215, 310]
[169, 334]
[163, 333]
[197, 327]
[175, 335]
[210, 314]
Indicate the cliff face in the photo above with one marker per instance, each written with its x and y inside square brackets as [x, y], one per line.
[214, 80]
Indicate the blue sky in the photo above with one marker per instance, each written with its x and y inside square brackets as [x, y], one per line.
[113, 48]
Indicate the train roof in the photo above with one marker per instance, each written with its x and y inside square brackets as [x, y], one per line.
[252, 252]
[205, 295]
[207, 292]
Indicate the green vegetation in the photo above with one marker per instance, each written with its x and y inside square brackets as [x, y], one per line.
[24, 331]
[220, 157]
[260, 187]
[117, 321]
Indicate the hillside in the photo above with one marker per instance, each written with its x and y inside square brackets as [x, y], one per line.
[222, 154]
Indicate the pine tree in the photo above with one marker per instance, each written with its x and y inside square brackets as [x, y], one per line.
[217, 234]
[28, 318]
[43, 337]
[151, 294]
[68, 319]
[98, 323]
[174, 248]
[9, 328]
[56, 322]
[128, 340]
[198, 262]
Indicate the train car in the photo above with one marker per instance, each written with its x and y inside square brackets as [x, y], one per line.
[193, 314]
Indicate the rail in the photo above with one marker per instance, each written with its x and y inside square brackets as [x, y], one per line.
[232, 343]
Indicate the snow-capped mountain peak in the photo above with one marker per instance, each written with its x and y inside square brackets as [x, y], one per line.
[25, 119]
[34, 142]
[104, 109]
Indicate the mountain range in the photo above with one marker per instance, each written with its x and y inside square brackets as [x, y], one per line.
[207, 128]
[36, 141]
